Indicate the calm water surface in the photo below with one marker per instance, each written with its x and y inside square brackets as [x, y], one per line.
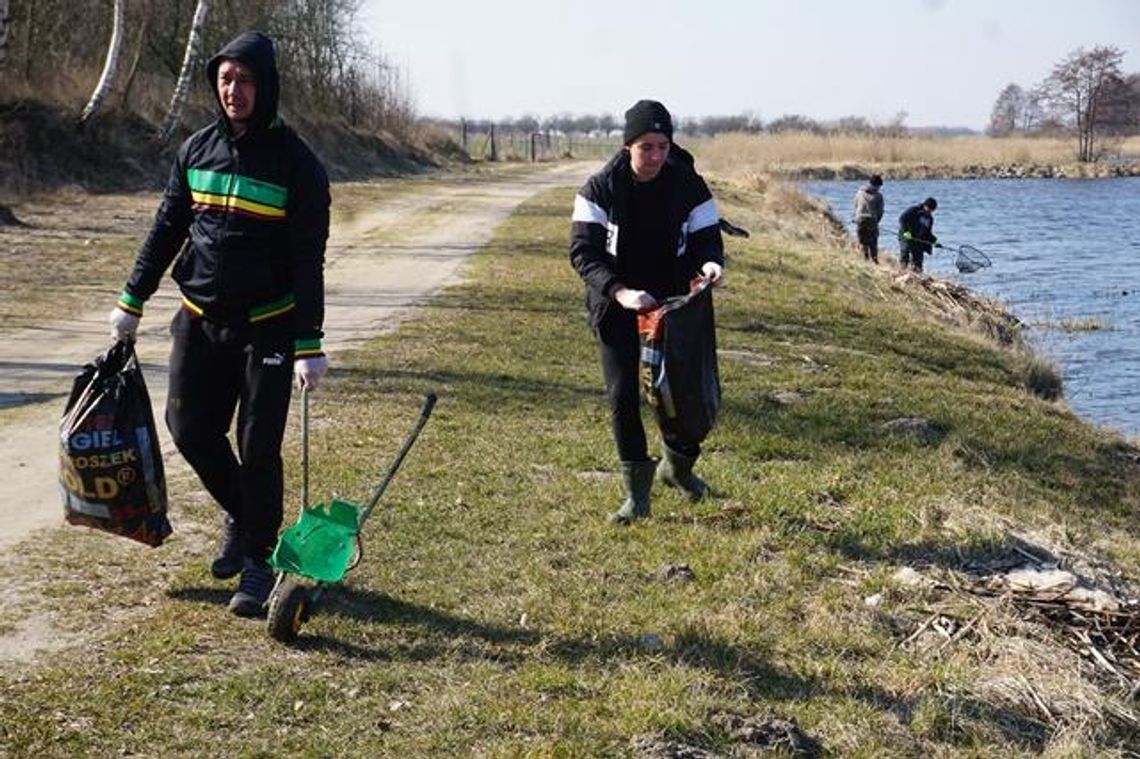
[1063, 252]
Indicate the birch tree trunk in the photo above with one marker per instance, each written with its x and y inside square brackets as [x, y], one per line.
[112, 63]
[4, 21]
[189, 60]
[139, 44]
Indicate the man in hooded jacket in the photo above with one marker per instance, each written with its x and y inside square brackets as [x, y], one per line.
[641, 229]
[244, 218]
[868, 213]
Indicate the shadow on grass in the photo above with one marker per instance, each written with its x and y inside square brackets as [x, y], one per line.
[981, 558]
[447, 635]
[477, 388]
[202, 595]
[1025, 731]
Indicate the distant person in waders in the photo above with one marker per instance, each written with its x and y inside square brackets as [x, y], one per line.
[868, 214]
[916, 233]
[246, 214]
[642, 228]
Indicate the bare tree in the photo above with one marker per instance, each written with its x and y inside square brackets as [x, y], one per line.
[794, 122]
[1033, 110]
[4, 20]
[744, 122]
[189, 60]
[1078, 89]
[328, 70]
[1006, 114]
[1122, 106]
[140, 43]
[112, 63]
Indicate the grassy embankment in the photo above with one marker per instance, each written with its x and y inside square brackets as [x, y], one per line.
[855, 156]
[496, 613]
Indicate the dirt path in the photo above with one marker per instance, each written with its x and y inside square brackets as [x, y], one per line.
[378, 267]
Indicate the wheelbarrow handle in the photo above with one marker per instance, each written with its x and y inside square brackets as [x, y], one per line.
[304, 446]
[425, 412]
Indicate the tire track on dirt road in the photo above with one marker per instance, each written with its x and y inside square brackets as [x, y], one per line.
[379, 266]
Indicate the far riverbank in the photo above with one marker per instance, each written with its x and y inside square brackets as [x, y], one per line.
[1057, 250]
[853, 172]
[828, 157]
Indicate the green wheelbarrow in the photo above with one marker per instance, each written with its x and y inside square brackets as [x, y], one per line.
[324, 544]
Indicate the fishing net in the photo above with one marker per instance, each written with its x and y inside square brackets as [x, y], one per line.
[970, 259]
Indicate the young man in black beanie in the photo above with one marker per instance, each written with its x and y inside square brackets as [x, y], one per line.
[916, 234]
[642, 228]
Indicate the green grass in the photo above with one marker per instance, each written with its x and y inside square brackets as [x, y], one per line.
[496, 613]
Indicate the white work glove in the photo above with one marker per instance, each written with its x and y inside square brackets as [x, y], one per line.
[124, 326]
[308, 371]
[635, 300]
[714, 272]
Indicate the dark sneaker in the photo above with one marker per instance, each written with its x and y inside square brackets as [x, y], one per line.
[253, 589]
[229, 560]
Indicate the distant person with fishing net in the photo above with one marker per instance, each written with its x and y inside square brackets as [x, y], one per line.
[916, 233]
[868, 213]
[642, 229]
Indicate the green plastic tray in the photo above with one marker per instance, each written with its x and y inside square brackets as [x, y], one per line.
[322, 544]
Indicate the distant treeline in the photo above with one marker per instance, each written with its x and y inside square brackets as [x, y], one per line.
[55, 49]
[705, 126]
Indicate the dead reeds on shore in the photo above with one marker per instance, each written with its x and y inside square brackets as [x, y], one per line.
[794, 152]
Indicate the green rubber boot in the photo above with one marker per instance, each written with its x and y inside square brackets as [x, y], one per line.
[676, 471]
[638, 479]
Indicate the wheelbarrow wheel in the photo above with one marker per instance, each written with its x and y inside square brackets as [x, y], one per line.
[288, 610]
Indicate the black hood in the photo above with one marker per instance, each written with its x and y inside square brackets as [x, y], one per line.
[678, 154]
[255, 50]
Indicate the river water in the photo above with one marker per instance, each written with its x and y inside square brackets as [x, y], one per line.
[1066, 258]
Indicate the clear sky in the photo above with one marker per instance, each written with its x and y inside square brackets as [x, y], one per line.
[943, 62]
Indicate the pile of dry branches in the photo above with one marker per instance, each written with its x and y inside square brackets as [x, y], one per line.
[1061, 648]
[1098, 626]
[959, 305]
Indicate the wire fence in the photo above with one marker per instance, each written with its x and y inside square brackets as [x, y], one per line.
[501, 144]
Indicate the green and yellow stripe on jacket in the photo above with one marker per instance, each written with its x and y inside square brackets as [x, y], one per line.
[302, 348]
[234, 193]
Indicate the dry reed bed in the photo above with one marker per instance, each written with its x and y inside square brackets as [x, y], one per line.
[850, 156]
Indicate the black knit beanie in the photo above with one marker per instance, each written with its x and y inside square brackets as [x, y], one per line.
[646, 116]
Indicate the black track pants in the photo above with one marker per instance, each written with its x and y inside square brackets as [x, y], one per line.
[868, 234]
[215, 370]
[911, 255]
[619, 348]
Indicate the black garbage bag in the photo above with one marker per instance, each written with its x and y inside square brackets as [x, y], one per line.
[678, 369]
[110, 465]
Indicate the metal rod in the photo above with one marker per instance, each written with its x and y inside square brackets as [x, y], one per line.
[429, 404]
[304, 447]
